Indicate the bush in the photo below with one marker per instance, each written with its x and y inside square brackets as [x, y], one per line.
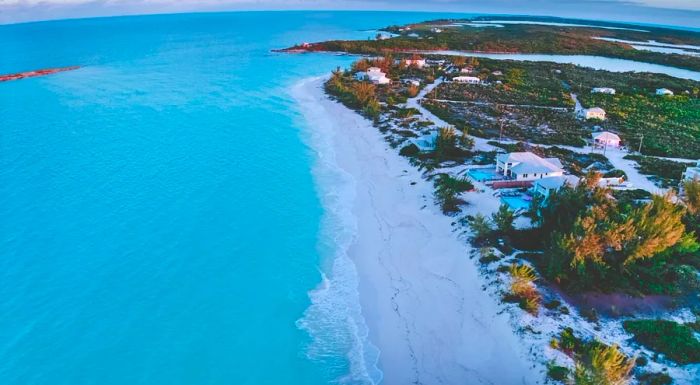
[522, 288]
[410, 150]
[557, 373]
[655, 379]
[676, 341]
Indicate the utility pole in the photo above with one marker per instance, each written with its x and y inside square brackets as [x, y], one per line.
[641, 140]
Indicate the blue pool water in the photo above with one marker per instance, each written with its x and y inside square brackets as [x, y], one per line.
[160, 219]
[481, 175]
[516, 203]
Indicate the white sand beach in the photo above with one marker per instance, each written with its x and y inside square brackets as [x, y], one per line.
[422, 297]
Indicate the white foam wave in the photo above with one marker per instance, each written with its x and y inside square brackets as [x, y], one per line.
[334, 319]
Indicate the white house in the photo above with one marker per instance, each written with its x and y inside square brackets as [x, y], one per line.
[693, 173]
[467, 79]
[466, 70]
[418, 63]
[436, 30]
[592, 113]
[526, 166]
[413, 34]
[497, 73]
[606, 139]
[377, 76]
[664, 92]
[604, 90]
[546, 186]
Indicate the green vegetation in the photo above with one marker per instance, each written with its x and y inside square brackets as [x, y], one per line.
[670, 125]
[522, 288]
[664, 172]
[447, 190]
[521, 38]
[594, 242]
[596, 363]
[655, 379]
[674, 340]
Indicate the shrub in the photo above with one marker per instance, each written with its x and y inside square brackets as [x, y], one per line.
[604, 365]
[557, 373]
[655, 379]
[523, 289]
[503, 219]
[676, 341]
[410, 150]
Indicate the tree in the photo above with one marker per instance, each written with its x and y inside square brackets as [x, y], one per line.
[606, 365]
[692, 196]
[657, 226]
[514, 76]
[363, 92]
[503, 219]
[480, 227]
[445, 141]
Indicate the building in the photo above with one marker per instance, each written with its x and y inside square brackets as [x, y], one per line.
[435, 30]
[467, 79]
[693, 172]
[412, 82]
[497, 73]
[377, 76]
[526, 166]
[604, 90]
[548, 185]
[592, 113]
[416, 62]
[664, 92]
[606, 139]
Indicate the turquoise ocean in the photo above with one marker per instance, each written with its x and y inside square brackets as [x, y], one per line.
[160, 218]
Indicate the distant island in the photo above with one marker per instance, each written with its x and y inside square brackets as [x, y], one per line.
[535, 35]
[35, 73]
[578, 188]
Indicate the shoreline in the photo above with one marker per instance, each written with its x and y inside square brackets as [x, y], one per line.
[421, 296]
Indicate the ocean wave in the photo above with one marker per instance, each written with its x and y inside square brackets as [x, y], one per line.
[334, 318]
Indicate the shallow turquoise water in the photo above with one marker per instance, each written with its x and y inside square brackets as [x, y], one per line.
[160, 221]
[516, 203]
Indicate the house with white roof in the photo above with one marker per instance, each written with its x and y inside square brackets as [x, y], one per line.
[693, 172]
[548, 185]
[467, 79]
[416, 62]
[526, 166]
[604, 90]
[664, 92]
[377, 76]
[592, 113]
[606, 139]
[436, 30]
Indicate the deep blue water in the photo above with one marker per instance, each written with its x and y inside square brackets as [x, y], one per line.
[159, 217]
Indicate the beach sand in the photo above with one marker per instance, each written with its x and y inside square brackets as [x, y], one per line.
[421, 295]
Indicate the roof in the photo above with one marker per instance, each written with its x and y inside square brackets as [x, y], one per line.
[374, 69]
[473, 78]
[556, 182]
[605, 135]
[603, 89]
[595, 110]
[527, 162]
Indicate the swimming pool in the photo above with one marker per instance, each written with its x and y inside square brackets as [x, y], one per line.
[482, 174]
[516, 203]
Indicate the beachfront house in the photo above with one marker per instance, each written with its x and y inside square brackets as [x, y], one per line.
[664, 92]
[606, 139]
[377, 76]
[526, 166]
[547, 186]
[604, 90]
[592, 113]
[467, 79]
[693, 172]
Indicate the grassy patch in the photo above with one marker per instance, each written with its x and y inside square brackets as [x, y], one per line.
[674, 340]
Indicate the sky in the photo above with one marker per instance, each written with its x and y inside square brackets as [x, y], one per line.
[669, 12]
